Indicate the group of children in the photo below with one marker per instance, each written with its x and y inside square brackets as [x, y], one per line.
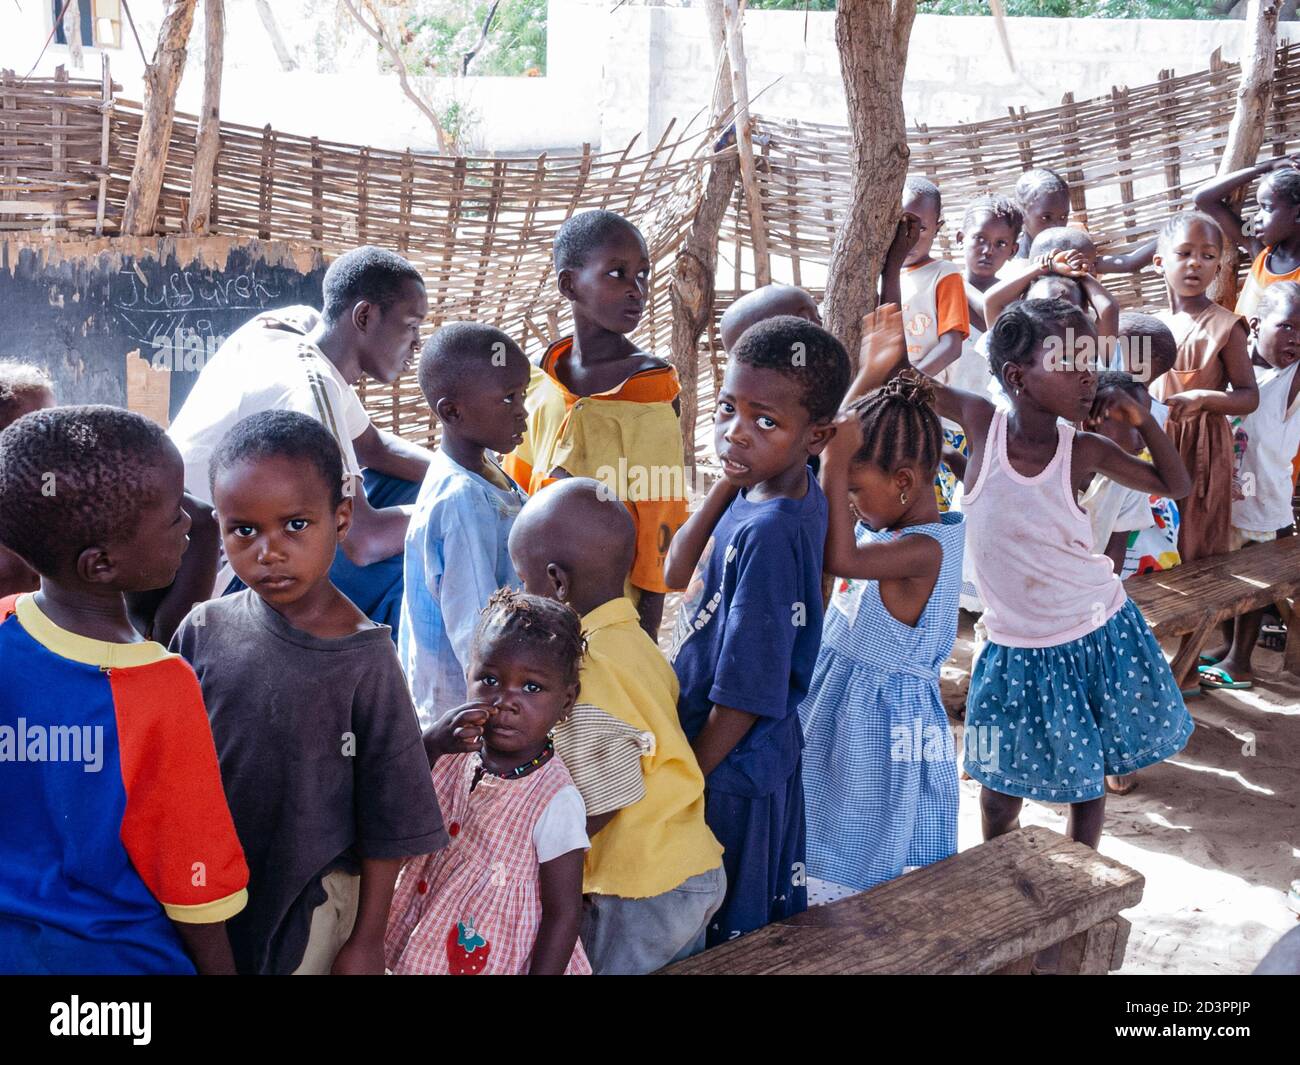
[524, 783]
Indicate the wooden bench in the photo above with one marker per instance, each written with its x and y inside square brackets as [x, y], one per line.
[990, 909]
[1191, 600]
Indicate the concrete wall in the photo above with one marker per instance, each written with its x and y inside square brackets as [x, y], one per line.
[613, 74]
[956, 68]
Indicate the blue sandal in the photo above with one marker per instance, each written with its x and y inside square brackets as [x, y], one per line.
[1216, 678]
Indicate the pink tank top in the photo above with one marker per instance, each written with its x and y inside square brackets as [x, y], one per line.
[1031, 547]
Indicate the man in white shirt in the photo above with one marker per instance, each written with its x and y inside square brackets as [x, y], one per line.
[299, 359]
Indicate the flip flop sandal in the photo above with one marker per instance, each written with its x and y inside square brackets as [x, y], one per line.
[1273, 637]
[1217, 679]
[1206, 660]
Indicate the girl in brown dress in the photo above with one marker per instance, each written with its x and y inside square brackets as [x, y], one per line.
[1211, 380]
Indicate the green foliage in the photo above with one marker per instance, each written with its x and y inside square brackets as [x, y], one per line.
[438, 33]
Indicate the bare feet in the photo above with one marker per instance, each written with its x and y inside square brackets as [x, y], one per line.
[1122, 785]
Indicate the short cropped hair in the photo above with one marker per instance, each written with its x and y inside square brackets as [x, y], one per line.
[822, 371]
[373, 274]
[75, 477]
[1062, 238]
[995, 206]
[1152, 333]
[1277, 298]
[925, 188]
[18, 379]
[582, 233]
[1285, 182]
[282, 434]
[460, 352]
[1112, 380]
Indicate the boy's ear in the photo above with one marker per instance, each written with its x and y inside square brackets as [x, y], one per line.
[1253, 326]
[959, 238]
[1157, 260]
[96, 566]
[819, 435]
[564, 282]
[560, 580]
[343, 518]
[363, 314]
[446, 410]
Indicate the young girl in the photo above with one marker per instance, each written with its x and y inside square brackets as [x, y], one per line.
[1275, 240]
[505, 896]
[1210, 378]
[1071, 686]
[880, 770]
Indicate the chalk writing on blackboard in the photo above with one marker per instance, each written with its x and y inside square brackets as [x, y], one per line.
[185, 301]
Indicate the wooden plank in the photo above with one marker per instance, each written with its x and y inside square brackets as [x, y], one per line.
[1176, 601]
[977, 912]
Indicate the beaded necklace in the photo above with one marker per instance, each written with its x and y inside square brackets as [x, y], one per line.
[547, 753]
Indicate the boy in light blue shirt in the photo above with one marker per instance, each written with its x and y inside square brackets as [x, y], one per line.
[474, 378]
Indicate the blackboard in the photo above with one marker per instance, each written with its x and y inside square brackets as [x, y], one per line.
[81, 309]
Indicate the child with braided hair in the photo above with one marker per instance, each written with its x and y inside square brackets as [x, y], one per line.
[880, 768]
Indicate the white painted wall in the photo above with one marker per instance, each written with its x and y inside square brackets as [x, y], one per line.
[614, 73]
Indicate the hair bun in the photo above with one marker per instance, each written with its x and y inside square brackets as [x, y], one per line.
[911, 386]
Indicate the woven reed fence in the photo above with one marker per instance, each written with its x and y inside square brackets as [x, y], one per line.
[481, 228]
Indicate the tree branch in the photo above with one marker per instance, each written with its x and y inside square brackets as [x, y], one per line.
[378, 33]
[482, 38]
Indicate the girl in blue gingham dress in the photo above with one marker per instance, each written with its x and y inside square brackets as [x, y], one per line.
[880, 768]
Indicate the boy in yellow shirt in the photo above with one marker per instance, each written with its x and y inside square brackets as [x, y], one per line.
[602, 408]
[653, 876]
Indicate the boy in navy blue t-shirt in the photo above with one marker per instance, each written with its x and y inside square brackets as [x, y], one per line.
[751, 619]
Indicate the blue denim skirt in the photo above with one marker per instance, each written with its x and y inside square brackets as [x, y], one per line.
[1051, 723]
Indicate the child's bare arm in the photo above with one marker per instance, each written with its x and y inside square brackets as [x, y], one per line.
[944, 353]
[363, 953]
[955, 461]
[458, 731]
[725, 728]
[1106, 307]
[690, 540]
[1212, 198]
[1242, 398]
[559, 887]
[1127, 262]
[1116, 550]
[1165, 475]
[905, 238]
[208, 946]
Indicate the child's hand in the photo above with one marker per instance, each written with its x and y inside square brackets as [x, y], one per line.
[1281, 163]
[1071, 263]
[883, 346]
[1186, 404]
[459, 730]
[907, 233]
[847, 439]
[359, 958]
[1117, 406]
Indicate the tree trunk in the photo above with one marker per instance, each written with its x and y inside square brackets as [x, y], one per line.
[273, 31]
[208, 140]
[691, 289]
[872, 37]
[161, 80]
[72, 33]
[745, 142]
[1246, 132]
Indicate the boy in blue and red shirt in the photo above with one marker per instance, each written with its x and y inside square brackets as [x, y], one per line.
[118, 854]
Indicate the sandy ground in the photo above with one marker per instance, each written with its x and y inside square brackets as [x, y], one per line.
[1215, 830]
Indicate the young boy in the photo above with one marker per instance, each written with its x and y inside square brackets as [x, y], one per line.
[474, 379]
[936, 318]
[761, 304]
[653, 877]
[23, 389]
[117, 847]
[320, 753]
[1066, 253]
[750, 621]
[601, 404]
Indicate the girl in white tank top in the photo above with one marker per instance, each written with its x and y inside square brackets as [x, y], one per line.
[1071, 687]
